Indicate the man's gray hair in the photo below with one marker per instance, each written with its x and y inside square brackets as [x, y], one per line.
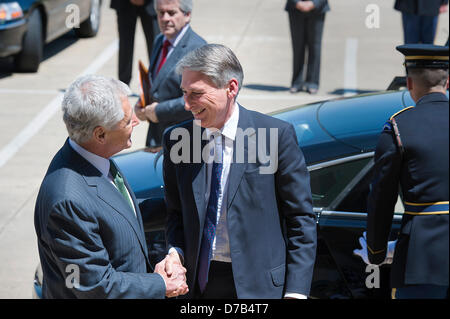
[92, 101]
[185, 5]
[216, 61]
[428, 78]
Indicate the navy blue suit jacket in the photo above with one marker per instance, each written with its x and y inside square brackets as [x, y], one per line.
[271, 224]
[166, 86]
[82, 222]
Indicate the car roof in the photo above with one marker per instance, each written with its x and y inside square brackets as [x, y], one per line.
[345, 126]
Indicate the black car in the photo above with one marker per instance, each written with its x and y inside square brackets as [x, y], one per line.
[27, 25]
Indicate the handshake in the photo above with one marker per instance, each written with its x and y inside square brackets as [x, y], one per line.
[174, 275]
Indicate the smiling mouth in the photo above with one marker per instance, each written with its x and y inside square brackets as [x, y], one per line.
[198, 112]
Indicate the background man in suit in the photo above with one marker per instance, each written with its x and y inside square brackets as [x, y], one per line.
[177, 39]
[412, 154]
[89, 228]
[420, 18]
[242, 231]
[127, 13]
[306, 21]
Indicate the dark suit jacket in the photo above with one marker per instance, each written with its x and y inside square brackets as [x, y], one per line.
[420, 7]
[81, 220]
[271, 223]
[125, 5]
[166, 86]
[321, 6]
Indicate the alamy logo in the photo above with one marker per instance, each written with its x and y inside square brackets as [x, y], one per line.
[73, 17]
[261, 147]
[73, 277]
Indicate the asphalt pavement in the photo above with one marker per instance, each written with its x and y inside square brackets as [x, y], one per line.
[358, 56]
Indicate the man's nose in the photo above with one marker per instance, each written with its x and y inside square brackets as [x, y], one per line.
[135, 120]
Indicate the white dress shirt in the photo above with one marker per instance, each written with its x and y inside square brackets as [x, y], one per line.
[100, 163]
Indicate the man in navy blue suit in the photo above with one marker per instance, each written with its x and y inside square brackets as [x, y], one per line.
[88, 224]
[176, 39]
[240, 214]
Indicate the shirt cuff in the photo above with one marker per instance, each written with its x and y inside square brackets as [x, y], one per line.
[294, 295]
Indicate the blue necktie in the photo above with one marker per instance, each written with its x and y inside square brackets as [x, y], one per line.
[209, 228]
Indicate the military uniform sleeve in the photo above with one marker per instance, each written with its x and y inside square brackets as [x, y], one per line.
[383, 195]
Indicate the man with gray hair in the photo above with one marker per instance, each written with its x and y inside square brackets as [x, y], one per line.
[242, 231]
[176, 39]
[88, 224]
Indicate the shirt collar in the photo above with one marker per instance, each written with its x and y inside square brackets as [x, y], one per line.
[230, 127]
[100, 163]
[174, 42]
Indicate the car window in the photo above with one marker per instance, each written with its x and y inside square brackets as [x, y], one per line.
[343, 185]
[329, 181]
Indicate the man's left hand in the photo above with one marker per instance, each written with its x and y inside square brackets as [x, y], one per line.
[150, 112]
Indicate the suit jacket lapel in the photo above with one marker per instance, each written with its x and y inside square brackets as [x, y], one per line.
[237, 169]
[107, 192]
[199, 183]
[178, 52]
[155, 54]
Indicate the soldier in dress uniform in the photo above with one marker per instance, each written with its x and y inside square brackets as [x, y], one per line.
[413, 154]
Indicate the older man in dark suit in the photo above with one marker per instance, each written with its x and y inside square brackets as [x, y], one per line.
[176, 39]
[88, 224]
[241, 220]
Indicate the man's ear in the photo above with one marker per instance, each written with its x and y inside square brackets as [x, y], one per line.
[233, 88]
[409, 83]
[99, 134]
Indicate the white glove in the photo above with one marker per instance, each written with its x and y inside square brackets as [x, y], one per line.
[363, 251]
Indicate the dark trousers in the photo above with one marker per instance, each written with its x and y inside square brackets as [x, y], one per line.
[220, 283]
[419, 29]
[126, 21]
[421, 292]
[306, 35]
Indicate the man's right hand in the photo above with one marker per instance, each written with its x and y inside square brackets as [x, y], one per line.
[140, 111]
[174, 275]
[137, 2]
[305, 6]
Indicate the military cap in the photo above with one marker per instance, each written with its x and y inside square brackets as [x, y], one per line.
[424, 56]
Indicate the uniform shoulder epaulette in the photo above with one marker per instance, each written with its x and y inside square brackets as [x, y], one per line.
[401, 111]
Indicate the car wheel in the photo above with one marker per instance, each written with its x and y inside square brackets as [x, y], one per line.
[30, 57]
[89, 28]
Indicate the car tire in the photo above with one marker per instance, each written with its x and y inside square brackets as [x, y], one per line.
[30, 57]
[89, 28]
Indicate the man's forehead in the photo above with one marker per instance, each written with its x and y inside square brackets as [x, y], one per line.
[194, 79]
[165, 3]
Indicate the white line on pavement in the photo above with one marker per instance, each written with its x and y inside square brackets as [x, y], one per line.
[39, 121]
[350, 63]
